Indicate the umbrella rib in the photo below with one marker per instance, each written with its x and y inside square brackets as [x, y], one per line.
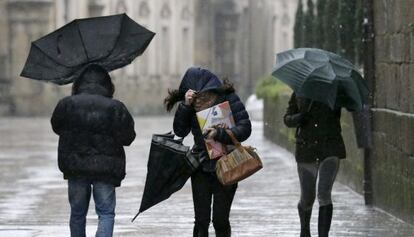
[124, 17]
[117, 38]
[83, 43]
[134, 52]
[48, 56]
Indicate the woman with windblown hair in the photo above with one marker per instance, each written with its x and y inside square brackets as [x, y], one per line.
[200, 89]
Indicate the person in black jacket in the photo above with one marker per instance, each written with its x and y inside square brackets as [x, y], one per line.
[201, 89]
[92, 129]
[319, 147]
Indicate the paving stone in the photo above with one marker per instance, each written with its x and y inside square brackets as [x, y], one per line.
[33, 195]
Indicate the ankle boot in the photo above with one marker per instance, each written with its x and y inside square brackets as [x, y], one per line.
[200, 232]
[305, 217]
[324, 220]
[226, 233]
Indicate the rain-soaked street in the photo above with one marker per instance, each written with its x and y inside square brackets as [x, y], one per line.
[33, 195]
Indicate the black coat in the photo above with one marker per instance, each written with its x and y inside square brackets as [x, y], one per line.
[318, 130]
[185, 120]
[92, 130]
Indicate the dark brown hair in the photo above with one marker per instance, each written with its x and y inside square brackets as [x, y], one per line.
[175, 96]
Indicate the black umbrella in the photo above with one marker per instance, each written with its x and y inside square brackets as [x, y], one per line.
[322, 76]
[110, 41]
[170, 165]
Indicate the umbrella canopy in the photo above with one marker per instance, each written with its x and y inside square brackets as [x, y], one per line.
[322, 76]
[170, 165]
[110, 41]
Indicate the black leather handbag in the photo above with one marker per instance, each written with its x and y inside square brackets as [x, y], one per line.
[164, 145]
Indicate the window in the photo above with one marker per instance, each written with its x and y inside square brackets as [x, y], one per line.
[285, 20]
[165, 11]
[121, 7]
[185, 14]
[144, 10]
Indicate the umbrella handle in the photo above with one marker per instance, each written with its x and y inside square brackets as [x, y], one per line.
[310, 106]
[135, 217]
[59, 38]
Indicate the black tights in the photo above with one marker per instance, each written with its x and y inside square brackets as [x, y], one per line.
[206, 187]
[308, 176]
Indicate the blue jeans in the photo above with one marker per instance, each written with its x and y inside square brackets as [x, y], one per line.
[79, 191]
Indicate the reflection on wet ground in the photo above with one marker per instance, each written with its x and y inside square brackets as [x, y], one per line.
[33, 198]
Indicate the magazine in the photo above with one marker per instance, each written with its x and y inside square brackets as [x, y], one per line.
[219, 114]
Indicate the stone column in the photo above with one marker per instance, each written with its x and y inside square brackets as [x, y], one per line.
[28, 20]
[204, 33]
[4, 75]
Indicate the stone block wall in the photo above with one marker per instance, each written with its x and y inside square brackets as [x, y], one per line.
[393, 115]
[393, 163]
[393, 125]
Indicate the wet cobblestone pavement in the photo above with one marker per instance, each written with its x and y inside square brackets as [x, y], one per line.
[33, 195]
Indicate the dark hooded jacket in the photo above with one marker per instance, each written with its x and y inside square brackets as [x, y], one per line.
[318, 130]
[185, 120]
[92, 129]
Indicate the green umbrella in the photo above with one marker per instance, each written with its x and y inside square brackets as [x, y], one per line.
[322, 76]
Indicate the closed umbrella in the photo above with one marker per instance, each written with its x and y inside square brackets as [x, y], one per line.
[170, 165]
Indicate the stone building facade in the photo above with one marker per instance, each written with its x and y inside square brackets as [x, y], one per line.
[167, 57]
[238, 39]
[26, 21]
[21, 22]
[141, 85]
[4, 82]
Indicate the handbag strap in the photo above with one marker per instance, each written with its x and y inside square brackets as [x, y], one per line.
[233, 138]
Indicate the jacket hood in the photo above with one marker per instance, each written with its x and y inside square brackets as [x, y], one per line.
[94, 80]
[199, 79]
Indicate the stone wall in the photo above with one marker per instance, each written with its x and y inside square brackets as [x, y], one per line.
[4, 83]
[393, 127]
[239, 39]
[141, 85]
[28, 97]
[393, 115]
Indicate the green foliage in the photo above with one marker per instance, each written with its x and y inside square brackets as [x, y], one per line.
[346, 29]
[411, 26]
[309, 31]
[319, 27]
[289, 133]
[331, 25]
[299, 28]
[270, 87]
